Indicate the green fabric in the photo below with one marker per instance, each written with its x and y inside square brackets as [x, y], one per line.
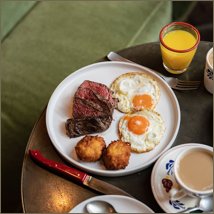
[11, 14]
[52, 41]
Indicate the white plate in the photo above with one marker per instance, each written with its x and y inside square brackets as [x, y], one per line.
[163, 168]
[60, 109]
[122, 204]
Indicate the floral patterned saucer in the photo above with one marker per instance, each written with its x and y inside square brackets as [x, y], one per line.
[163, 179]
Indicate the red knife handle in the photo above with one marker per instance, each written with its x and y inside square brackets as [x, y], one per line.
[58, 167]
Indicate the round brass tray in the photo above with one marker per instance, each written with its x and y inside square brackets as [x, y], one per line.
[43, 191]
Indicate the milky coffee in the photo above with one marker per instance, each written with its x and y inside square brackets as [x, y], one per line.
[196, 170]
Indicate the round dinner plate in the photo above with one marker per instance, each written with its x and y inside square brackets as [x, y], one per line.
[122, 204]
[60, 109]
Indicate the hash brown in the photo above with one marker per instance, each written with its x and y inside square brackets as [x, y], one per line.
[90, 148]
[116, 155]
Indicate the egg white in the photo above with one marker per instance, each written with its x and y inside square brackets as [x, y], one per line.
[128, 85]
[147, 141]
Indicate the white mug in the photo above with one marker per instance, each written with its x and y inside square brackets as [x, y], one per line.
[184, 190]
[208, 71]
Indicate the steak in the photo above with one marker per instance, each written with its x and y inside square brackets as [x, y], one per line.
[89, 125]
[93, 107]
[101, 90]
[82, 109]
[92, 100]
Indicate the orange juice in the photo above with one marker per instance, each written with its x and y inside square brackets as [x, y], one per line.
[178, 41]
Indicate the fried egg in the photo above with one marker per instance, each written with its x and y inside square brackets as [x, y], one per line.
[143, 130]
[135, 91]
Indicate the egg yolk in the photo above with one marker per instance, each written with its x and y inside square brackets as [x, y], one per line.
[144, 100]
[138, 125]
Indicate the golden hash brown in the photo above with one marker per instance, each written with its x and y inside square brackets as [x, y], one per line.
[116, 155]
[90, 148]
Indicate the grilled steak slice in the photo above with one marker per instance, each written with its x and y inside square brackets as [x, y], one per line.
[89, 125]
[83, 109]
[100, 89]
[92, 100]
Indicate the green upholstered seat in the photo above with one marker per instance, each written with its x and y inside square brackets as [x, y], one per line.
[54, 39]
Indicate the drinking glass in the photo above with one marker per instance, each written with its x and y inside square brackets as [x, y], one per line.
[178, 42]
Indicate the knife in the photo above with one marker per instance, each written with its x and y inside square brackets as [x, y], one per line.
[79, 176]
[112, 56]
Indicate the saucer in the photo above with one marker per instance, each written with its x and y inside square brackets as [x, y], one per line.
[163, 169]
[122, 204]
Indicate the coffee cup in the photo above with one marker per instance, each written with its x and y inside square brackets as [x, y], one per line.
[208, 71]
[193, 170]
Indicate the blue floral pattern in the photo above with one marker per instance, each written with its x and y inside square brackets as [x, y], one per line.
[169, 167]
[177, 204]
[210, 74]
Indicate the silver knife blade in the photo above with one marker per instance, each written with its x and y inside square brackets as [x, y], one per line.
[104, 187]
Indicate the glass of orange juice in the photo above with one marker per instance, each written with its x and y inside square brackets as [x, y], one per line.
[178, 42]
